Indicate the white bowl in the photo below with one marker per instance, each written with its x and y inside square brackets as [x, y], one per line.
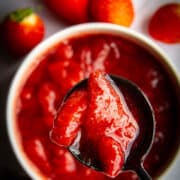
[31, 61]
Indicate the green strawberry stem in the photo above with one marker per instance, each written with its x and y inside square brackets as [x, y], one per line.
[20, 14]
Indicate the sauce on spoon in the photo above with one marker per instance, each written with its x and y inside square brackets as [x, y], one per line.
[95, 123]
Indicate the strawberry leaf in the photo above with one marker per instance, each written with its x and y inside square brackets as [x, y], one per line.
[20, 14]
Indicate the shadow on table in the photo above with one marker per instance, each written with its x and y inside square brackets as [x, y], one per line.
[9, 166]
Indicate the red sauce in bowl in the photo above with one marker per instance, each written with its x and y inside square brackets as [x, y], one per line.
[67, 63]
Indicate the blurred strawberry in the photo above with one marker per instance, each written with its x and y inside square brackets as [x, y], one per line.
[165, 23]
[69, 117]
[74, 11]
[22, 30]
[113, 11]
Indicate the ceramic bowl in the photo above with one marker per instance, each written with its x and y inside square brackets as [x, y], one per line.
[31, 61]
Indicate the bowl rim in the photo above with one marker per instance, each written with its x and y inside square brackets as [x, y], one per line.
[64, 34]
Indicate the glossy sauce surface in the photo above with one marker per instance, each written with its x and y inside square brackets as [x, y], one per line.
[66, 64]
[96, 125]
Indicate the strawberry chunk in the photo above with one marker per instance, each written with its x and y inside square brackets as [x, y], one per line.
[110, 122]
[36, 150]
[65, 73]
[111, 155]
[107, 106]
[69, 119]
[63, 162]
[48, 97]
[27, 98]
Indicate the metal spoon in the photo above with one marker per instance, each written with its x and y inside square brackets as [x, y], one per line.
[143, 144]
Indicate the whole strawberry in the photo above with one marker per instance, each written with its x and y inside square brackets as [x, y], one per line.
[165, 23]
[113, 11]
[22, 30]
[73, 11]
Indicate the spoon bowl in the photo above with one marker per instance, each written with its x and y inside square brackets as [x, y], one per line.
[143, 142]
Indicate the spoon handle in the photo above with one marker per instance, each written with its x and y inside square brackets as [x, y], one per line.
[142, 173]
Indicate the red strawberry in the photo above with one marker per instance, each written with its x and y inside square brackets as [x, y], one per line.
[73, 11]
[113, 11]
[68, 120]
[112, 156]
[22, 30]
[165, 23]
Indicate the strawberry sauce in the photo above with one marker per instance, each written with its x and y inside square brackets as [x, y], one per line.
[95, 122]
[67, 63]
